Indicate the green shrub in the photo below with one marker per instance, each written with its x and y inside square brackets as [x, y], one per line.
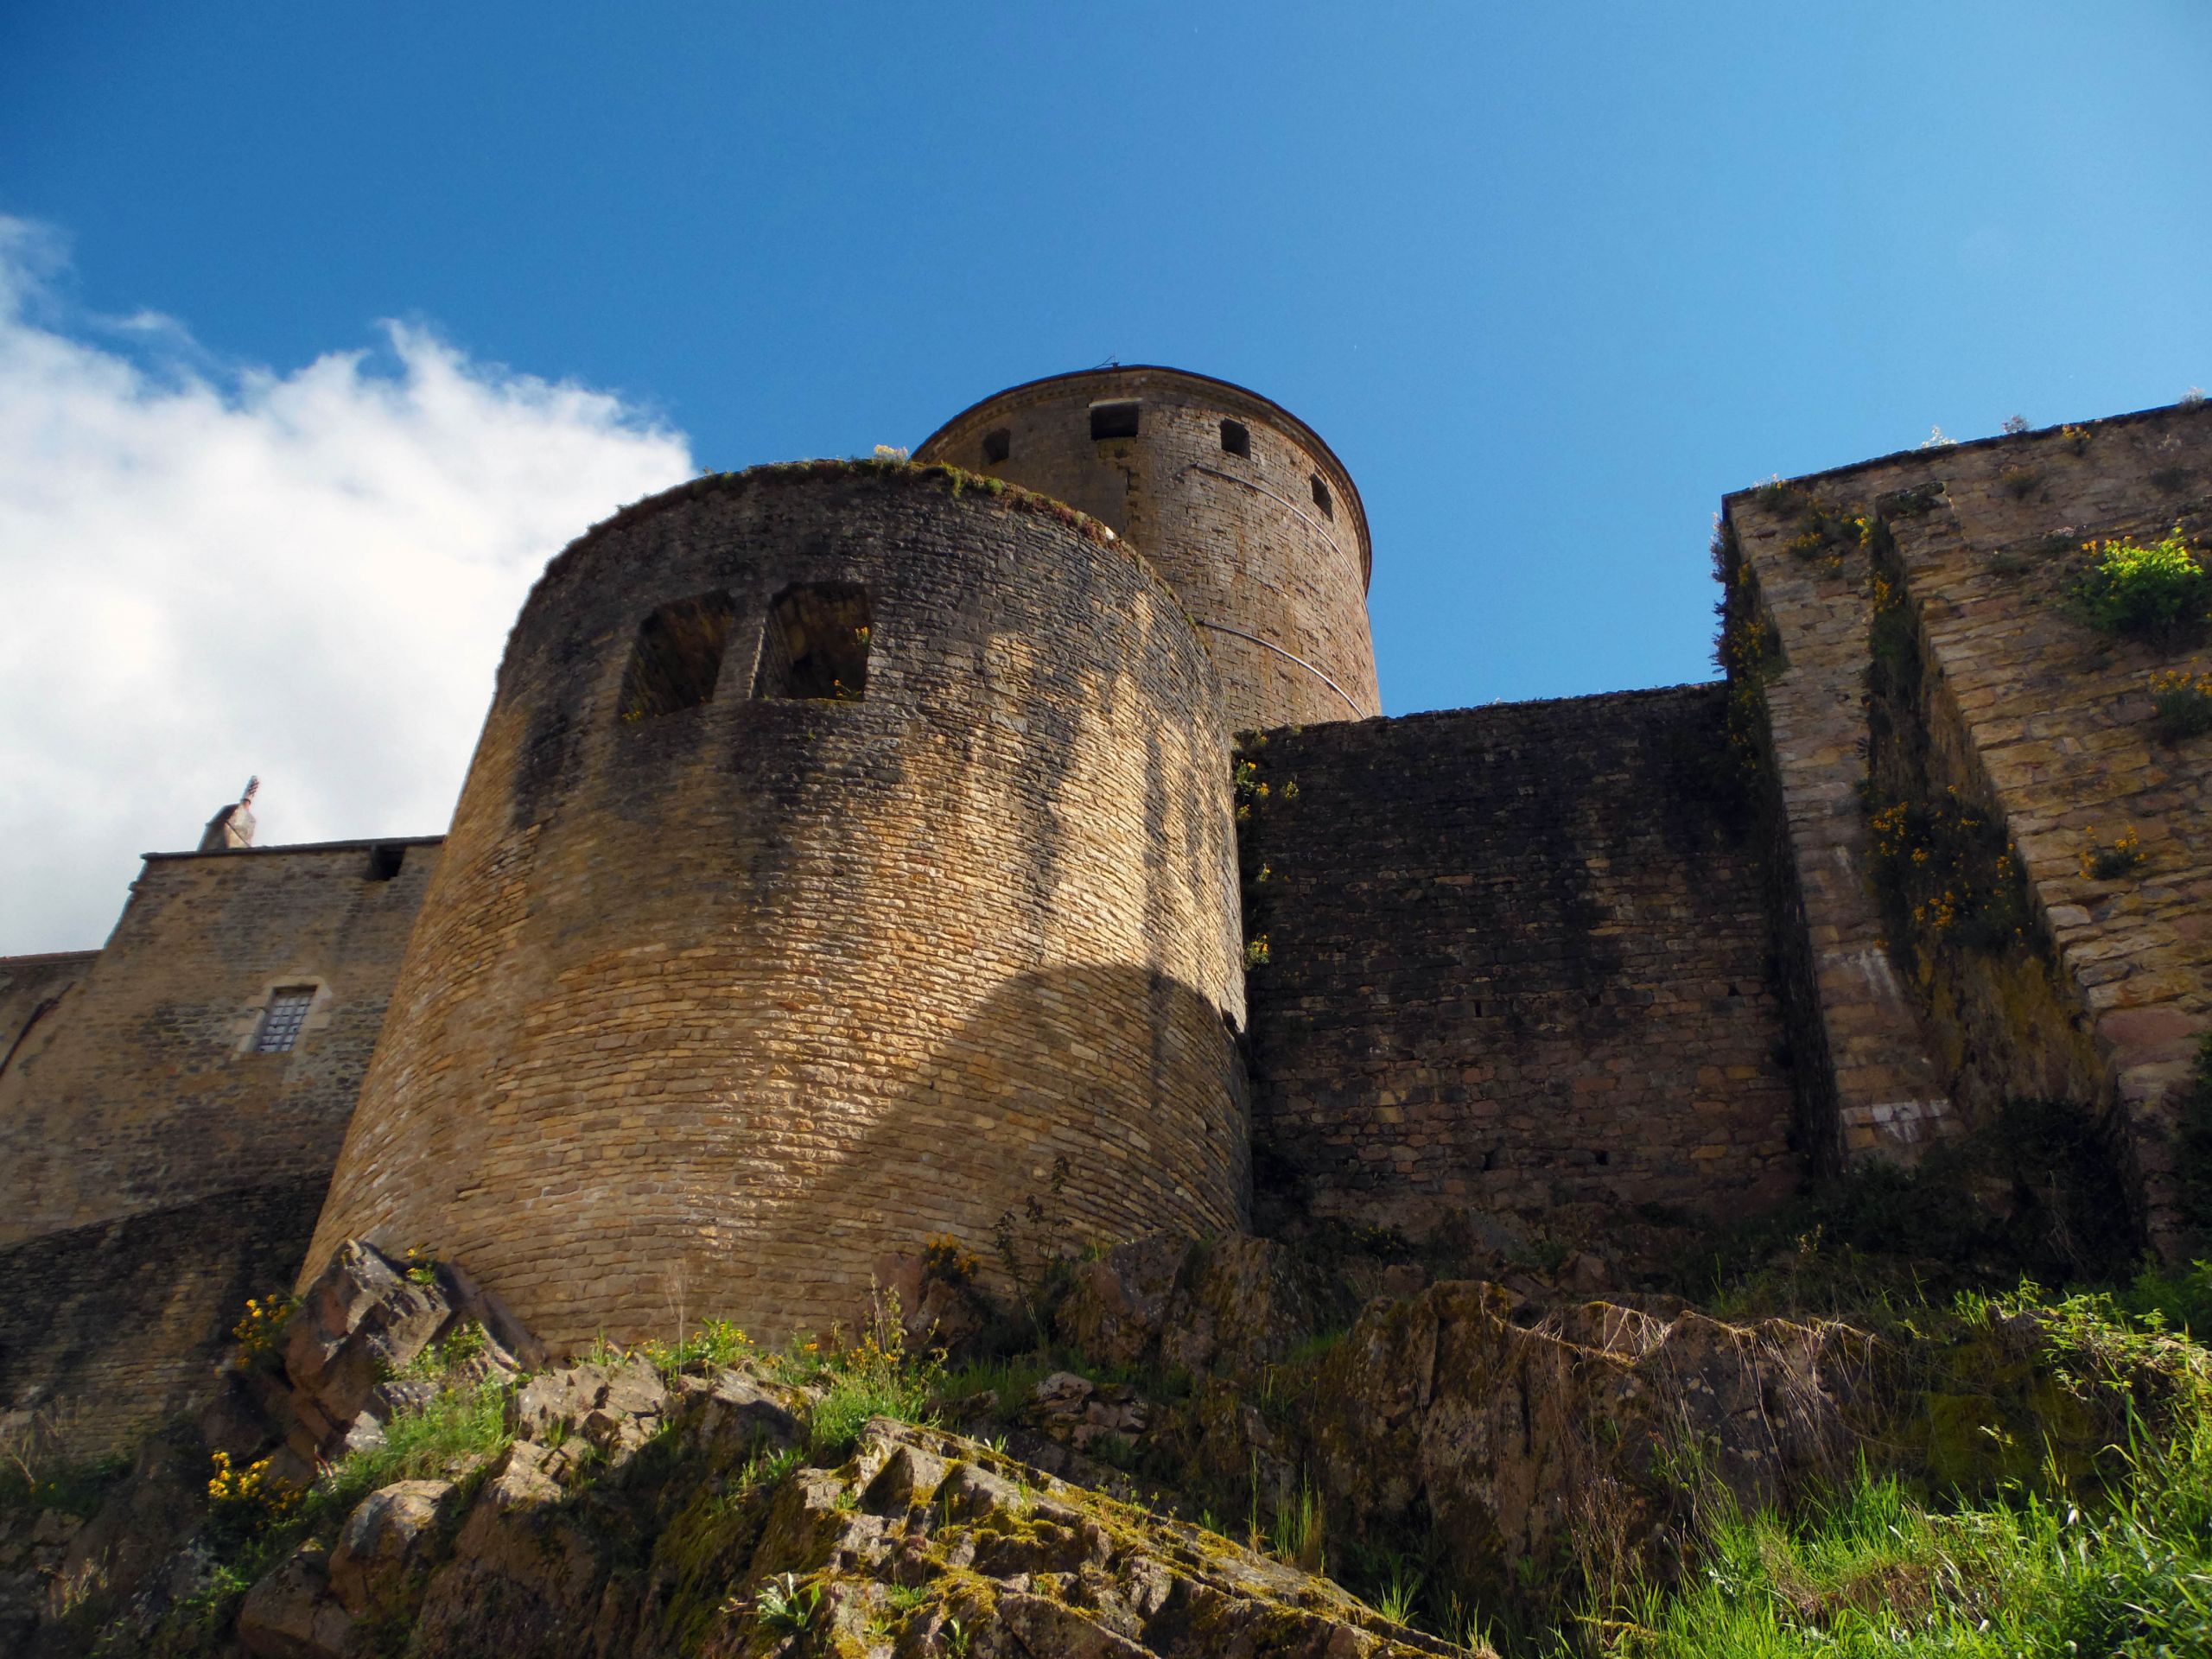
[2131, 589]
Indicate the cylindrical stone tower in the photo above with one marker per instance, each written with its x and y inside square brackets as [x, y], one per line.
[1235, 501]
[841, 850]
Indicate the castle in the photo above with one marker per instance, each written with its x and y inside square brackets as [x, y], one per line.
[854, 849]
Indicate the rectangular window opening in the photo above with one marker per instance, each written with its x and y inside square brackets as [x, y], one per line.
[282, 1019]
[1115, 420]
[1235, 439]
[384, 862]
[817, 644]
[677, 657]
[997, 446]
[1321, 498]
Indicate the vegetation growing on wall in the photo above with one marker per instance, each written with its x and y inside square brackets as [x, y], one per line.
[2181, 702]
[2193, 1150]
[1745, 651]
[1963, 929]
[2159, 592]
[1948, 873]
[1255, 792]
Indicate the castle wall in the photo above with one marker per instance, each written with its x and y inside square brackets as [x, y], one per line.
[35, 999]
[141, 1089]
[155, 1170]
[2054, 715]
[710, 1006]
[1518, 955]
[1269, 572]
[109, 1330]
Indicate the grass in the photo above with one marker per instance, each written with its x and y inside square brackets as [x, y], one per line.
[875, 1377]
[2109, 1554]
[1876, 1571]
[77, 1489]
[715, 1344]
[1298, 1535]
[458, 1426]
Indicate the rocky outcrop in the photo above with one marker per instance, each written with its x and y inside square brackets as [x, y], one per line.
[1227, 1304]
[1574, 1447]
[1504, 1451]
[923, 1542]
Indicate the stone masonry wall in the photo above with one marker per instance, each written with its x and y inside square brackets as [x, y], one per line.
[1275, 581]
[712, 1007]
[110, 1330]
[1518, 955]
[142, 1090]
[35, 997]
[2054, 715]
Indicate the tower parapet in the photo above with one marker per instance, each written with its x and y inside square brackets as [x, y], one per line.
[1237, 503]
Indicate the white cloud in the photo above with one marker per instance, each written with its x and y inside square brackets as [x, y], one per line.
[209, 570]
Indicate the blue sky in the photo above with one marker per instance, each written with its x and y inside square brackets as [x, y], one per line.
[1550, 278]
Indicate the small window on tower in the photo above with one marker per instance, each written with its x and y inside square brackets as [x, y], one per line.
[384, 861]
[817, 644]
[1235, 439]
[997, 445]
[1113, 420]
[677, 657]
[282, 1019]
[1321, 497]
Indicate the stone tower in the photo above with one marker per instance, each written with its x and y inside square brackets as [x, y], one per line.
[842, 850]
[1236, 502]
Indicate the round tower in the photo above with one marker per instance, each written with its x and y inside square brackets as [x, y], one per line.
[1236, 502]
[841, 852]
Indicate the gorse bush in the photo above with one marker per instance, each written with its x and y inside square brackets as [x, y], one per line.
[261, 1329]
[2109, 860]
[249, 1499]
[1949, 870]
[2156, 590]
[2181, 703]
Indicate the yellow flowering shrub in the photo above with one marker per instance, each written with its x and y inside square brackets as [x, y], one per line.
[251, 1498]
[1948, 868]
[262, 1327]
[944, 1257]
[2103, 863]
[2181, 703]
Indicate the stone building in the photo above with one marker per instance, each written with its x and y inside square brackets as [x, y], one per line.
[854, 851]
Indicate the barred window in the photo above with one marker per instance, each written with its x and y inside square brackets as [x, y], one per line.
[282, 1019]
